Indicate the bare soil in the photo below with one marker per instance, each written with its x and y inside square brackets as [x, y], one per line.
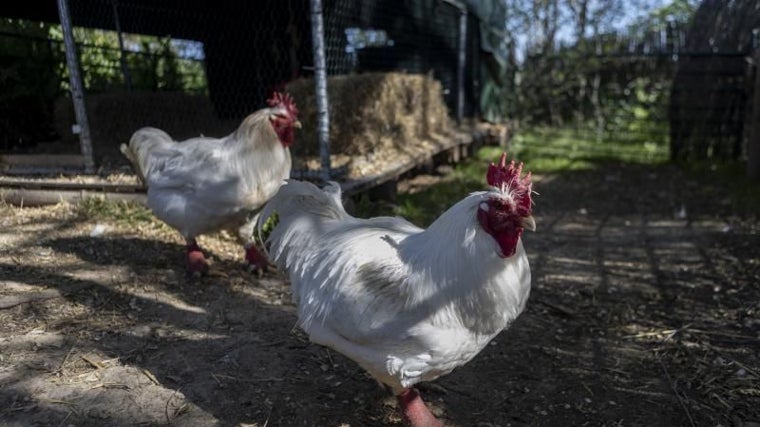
[644, 311]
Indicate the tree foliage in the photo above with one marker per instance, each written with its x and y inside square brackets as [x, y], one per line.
[33, 72]
[30, 79]
[599, 65]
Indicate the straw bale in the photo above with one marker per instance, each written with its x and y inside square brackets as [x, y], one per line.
[375, 118]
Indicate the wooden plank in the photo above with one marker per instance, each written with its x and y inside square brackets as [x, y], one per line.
[26, 197]
[41, 192]
[58, 185]
[54, 160]
[397, 169]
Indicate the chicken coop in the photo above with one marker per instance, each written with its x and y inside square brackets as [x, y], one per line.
[382, 85]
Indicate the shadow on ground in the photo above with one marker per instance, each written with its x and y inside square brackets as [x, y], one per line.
[643, 312]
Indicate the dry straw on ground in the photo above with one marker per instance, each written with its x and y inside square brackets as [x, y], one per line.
[375, 119]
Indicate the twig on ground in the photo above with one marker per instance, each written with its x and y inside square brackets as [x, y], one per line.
[17, 409]
[66, 358]
[166, 407]
[266, 422]
[559, 308]
[68, 414]
[92, 362]
[587, 389]
[675, 391]
[742, 365]
[121, 386]
[72, 406]
[264, 379]
[641, 392]
[151, 377]
[720, 399]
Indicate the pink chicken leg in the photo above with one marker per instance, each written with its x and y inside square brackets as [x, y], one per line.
[256, 261]
[196, 261]
[414, 411]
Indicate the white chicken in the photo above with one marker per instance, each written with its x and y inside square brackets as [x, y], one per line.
[204, 184]
[407, 304]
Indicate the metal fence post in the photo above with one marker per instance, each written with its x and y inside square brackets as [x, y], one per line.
[77, 89]
[320, 82]
[461, 55]
[753, 145]
[461, 62]
[120, 35]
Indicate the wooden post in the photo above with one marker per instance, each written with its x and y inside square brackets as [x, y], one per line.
[753, 145]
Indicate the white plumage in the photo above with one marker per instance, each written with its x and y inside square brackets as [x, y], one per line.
[407, 304]
[202, 184]
[205, 184]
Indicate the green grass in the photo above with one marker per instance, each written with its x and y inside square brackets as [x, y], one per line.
[100, 208]
[542, 151]
[555, 150]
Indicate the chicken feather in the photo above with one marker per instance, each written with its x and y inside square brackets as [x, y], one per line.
[407, 304]
[203, 184]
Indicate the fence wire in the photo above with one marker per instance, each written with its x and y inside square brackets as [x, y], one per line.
[194, 67]
[415, 36]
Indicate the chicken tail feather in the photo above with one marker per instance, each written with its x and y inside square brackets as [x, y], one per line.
[140, 145]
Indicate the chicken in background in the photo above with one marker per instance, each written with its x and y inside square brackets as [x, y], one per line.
[407, 304]
[203, 185]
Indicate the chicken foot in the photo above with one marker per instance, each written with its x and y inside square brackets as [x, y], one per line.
[414, 411]
[196, 261]
[257, 262]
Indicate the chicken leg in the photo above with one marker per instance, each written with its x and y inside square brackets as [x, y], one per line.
[256, 261]
[196, 262]
[414, 411]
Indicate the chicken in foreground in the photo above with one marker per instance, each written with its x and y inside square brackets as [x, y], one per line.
[203, 185]
[405, 303]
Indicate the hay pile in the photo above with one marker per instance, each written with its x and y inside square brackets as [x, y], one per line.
[375, 119]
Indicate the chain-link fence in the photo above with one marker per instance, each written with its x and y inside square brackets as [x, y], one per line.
[645, 88]
[419, 36]
[194, 67]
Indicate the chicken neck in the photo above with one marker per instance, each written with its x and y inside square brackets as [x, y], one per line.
[414, 411]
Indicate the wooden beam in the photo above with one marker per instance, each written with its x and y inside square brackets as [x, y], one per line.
[54, 160]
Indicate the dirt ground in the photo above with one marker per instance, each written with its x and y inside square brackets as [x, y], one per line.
[644, 312]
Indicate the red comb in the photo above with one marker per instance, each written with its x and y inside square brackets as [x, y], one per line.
[509, 175]
[284, 100]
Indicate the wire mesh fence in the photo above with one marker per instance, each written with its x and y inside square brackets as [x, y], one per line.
[194, 67]
[640, 88]
[189, 68]
[418, 36]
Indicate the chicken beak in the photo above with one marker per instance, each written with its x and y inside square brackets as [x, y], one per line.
[297, 124]
[528, 223]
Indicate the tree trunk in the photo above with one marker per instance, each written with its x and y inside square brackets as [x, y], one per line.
[597, 104]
